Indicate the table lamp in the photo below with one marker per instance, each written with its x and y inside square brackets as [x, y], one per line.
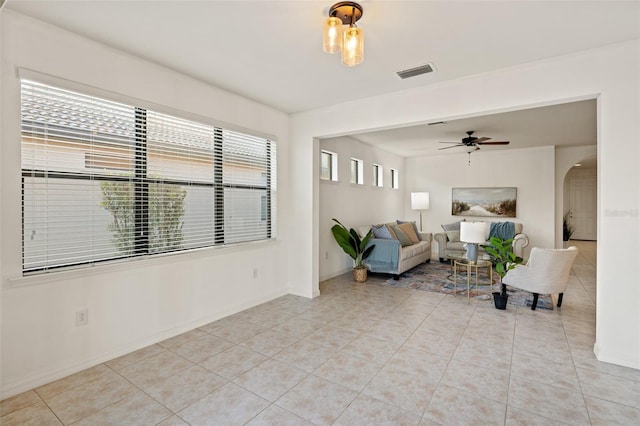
[473, 233]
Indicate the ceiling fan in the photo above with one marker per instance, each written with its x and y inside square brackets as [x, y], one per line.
[471, 143]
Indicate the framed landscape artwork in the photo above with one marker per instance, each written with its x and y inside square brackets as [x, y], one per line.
[496, 202]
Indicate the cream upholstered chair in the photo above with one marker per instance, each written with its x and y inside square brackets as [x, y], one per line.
[546, 272]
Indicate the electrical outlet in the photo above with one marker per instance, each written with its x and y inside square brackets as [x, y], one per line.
[255, 272]
[82, 317]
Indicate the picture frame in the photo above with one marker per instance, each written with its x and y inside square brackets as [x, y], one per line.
[484, 202]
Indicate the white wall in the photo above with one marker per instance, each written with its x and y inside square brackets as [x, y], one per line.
[531, 171]
[141, 302]
[352, 204]
[609, 74]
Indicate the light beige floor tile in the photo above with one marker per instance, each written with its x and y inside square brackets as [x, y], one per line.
[18, 402]
[201, 348]
[366, 410]
[69, 382]
[355, 323]
[482, 381]
[429, 367]
[173, 421]
[317, 400]
[236, 331]
[401, 389]
[299, 328]
[348, 370]
[440, 344]
[556, 350]
[135, 409]
[276, 416]
[451, 406]
[592, 363]
[305, 355]
[89, 398]
[558, 374]
[271, 379]
[229, 405]
[185, 387]
[155, 369]
[610, 388]
[608, 413]
[372, 349]
[483, 355]
[556, 403]
[134, 357]
[233, 362]
[519, 417]
[269, 342]
[333, 337]
[389, 331]
[405, 319]
[182, 338]
[37, 414]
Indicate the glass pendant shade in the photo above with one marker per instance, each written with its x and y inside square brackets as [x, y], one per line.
[353, 46]
[332, 35]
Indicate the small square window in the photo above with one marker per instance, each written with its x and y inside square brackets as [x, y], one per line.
[377, 175]
[357, 172]
[328, 165]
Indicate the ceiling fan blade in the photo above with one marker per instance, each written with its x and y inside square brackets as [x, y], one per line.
[452, 146]
[482, 139]
[494, 143]
[457, 143]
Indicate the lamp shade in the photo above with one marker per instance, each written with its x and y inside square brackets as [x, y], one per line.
[353, 46]
[473, 232]
[332, 35]
[419, 200]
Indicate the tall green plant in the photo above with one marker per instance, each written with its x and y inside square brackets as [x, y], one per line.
[351, 243]
[501, 252]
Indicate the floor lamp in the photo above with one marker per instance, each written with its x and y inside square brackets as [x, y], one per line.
[420, 201]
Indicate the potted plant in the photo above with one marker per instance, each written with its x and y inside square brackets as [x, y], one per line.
[505, 260]
[567, 228]
[355, 247]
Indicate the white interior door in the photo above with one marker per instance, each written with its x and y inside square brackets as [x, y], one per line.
[583, 207]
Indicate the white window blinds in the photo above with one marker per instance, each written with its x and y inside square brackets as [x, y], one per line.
[104, 180]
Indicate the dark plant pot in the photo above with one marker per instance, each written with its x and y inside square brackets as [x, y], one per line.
[500, 300]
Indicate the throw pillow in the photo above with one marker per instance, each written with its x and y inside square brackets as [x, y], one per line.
[381, 231]
[407, 228]
[415, 227]
[453, 236]
[455, 226]
[401, 236]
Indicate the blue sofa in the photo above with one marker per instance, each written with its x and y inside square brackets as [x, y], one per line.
[390, 257]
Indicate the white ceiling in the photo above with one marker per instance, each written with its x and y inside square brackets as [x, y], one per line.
[270, 51]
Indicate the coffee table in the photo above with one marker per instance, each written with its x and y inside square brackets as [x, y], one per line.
[471, 267]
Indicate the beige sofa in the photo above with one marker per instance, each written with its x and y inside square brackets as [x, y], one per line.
[391, 256]
[454, 247]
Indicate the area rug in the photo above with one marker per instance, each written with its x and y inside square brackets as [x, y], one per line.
[438, 277]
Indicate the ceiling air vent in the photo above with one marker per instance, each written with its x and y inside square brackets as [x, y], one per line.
[412, 72]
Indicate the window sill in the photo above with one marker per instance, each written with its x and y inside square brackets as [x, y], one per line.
[134, 263]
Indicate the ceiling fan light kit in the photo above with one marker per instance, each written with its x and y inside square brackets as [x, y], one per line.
[350, 40]
[470, 143]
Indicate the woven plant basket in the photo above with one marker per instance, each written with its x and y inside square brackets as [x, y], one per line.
[360, 275]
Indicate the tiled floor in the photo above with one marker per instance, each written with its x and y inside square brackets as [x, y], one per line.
[359, 354]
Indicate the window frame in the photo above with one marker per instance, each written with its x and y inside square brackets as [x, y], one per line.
[141, 182]
[357, 178]
[332, 166]
[378, 171]
[395, 184]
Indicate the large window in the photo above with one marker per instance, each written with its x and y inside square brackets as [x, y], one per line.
[103, 180]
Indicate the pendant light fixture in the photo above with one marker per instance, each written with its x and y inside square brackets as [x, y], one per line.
[349, 41]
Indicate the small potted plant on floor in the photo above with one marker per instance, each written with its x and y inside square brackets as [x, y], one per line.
[355, 247]
[504, 258]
